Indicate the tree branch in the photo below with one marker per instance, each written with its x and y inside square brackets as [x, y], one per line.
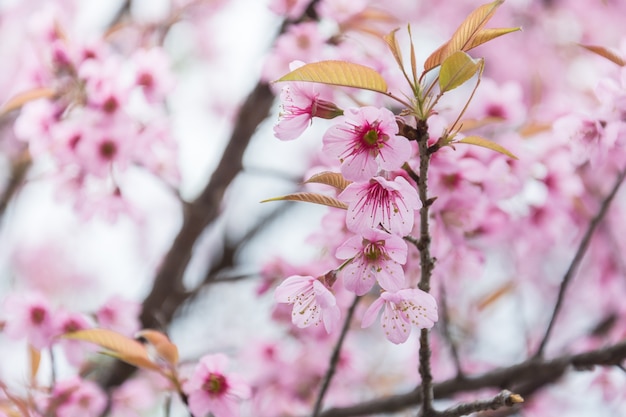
[504, 399]
[580, 253]
[427, 264]
[532, 372]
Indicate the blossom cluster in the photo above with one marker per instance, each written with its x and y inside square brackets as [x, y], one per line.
[98, 114]
[381, 205]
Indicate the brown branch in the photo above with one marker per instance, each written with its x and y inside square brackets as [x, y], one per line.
[580, 253]
[519, 378]
[504, 399]
[168, 292]
[427, 264]
[19, 169]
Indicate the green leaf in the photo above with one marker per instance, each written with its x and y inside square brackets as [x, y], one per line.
[334, 179]
[462, 38]
[341, 73]
[119, 346]
[456, 70]
[605, 53]
[485, 143]
[311, 198]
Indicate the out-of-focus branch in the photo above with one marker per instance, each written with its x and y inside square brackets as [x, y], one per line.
[19, 169]
[168, 293]
[523, 378]
[580, 253]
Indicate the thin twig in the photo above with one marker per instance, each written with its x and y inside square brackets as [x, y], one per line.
[334, 359]
[504, 399]
[532, 372]
[580, 253]
[445, 321]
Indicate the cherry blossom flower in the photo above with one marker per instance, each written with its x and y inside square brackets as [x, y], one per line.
[376, 256]
[120, 315]
[381, 202]
[402, 308]
[32, 317]
[75, 350]
[211, 390]
[153, 73]
[312, 301]
[300, 103]
[75, 397]
[365, 140]
[288, 8]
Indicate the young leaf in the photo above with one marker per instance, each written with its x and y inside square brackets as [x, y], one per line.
[334, 179]
[122, 347]
[161, 344]
[20, 99]
[464, 34]
[485, 143]
[605, 53]
[485, 35]
[311, 198]
[34, 356]
[456, 70]
[341, 73]
[392, 43]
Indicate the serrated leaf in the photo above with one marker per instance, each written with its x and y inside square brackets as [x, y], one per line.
[311, 198]
[456, 70]
[341, 73]
[485, 35]
[464, 34]
[20, 99]
[605, 53]
[117, 345]
[485, 143]
[334, 179]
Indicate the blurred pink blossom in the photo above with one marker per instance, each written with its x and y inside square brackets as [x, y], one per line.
[210, 389]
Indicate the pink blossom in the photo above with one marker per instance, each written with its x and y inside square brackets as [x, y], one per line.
[376, 256]
[365, 140]
[32, 317]
[289, 8]
[134, 398]
[402, 308]
[211, 390]
[119, 314]
[300, 103]
[380, 202]
[76, 398]
[312, 302]
[152, 73]
[75, 350]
